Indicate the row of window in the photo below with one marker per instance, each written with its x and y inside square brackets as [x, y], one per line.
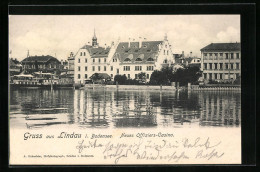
[128, 76]
[220, 76]
[227, 55]
[99, 60]
[94, 67]
[138, 68]
[221, 66]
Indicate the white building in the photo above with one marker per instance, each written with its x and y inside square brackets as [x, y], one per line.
[123, 58]
[221, 61]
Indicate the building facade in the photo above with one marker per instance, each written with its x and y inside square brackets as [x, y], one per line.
[221, 61]
[41, 63]
[122, 58]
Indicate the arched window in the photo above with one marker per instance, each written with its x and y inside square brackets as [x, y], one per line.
[138, 59]
[127, 60]
[150, 59]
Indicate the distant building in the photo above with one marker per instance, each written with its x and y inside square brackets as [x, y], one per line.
[41, 63]
[71, 61]
[64, 64]
[221, 61]
[15, 67]
[122, 58]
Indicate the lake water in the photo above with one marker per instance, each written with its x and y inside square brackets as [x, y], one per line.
[39, 108]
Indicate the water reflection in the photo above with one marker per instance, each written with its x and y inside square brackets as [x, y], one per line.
[34, 108]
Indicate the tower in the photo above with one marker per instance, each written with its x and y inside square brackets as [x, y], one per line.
[94, 39]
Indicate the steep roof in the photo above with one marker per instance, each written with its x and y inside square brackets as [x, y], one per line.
[97, 51]
[39, 58]
[222, 47]
[147, 50]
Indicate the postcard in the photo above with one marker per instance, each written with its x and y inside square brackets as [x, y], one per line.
[124, 89]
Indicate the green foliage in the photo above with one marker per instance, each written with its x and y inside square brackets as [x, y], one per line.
[121, 79]
[163, 76]
[187, 75]
[95, 77]
[142, 77]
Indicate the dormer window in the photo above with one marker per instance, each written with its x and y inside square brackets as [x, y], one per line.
[127, 60]
[145, 46]
[138, 59]
[150, 59]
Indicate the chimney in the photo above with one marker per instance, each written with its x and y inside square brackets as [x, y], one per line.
[71, 54]
[191, 54]
[182, 54]
[140, 42]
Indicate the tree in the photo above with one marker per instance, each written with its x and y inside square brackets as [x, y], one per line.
[142, 77]
[121, 79]
[187, 75]
[95, 77]
[164, 76]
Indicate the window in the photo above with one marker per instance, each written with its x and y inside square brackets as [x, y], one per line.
[216, 66]
[220, 76]
[147, 76]
[232, 55]
[105, 68]
[205, 54]
[86, 76]
[127, 60]
[231, 66]
[226, 55]
[111, 68]
[126, 68]
[105, 60]
[78, 76]
[165, 61]
[138, 59]
[111, 75]
[167, 52]
[128, 76]
[205, 65]
[220, 65]
[226, 66]
[210, 66]
[117, 71]
[99, 60]
[138, 68]
[98, 68]
[86, 68]
[210, 54]
[221, 54]
[80, 53]
[149, 68]
[210, 75]
[150, 59]
[216, 76]
[164, 52]
[86, 60]
[165, 46]
[93, 68]
[216, 54]
[205, 76]
[84, 53]
[237, 66]
[93, 60]
[79, 60]
[237, 55]
[78, 68]
[136, 76]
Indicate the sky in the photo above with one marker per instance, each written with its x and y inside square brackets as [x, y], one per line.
[58, 35]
